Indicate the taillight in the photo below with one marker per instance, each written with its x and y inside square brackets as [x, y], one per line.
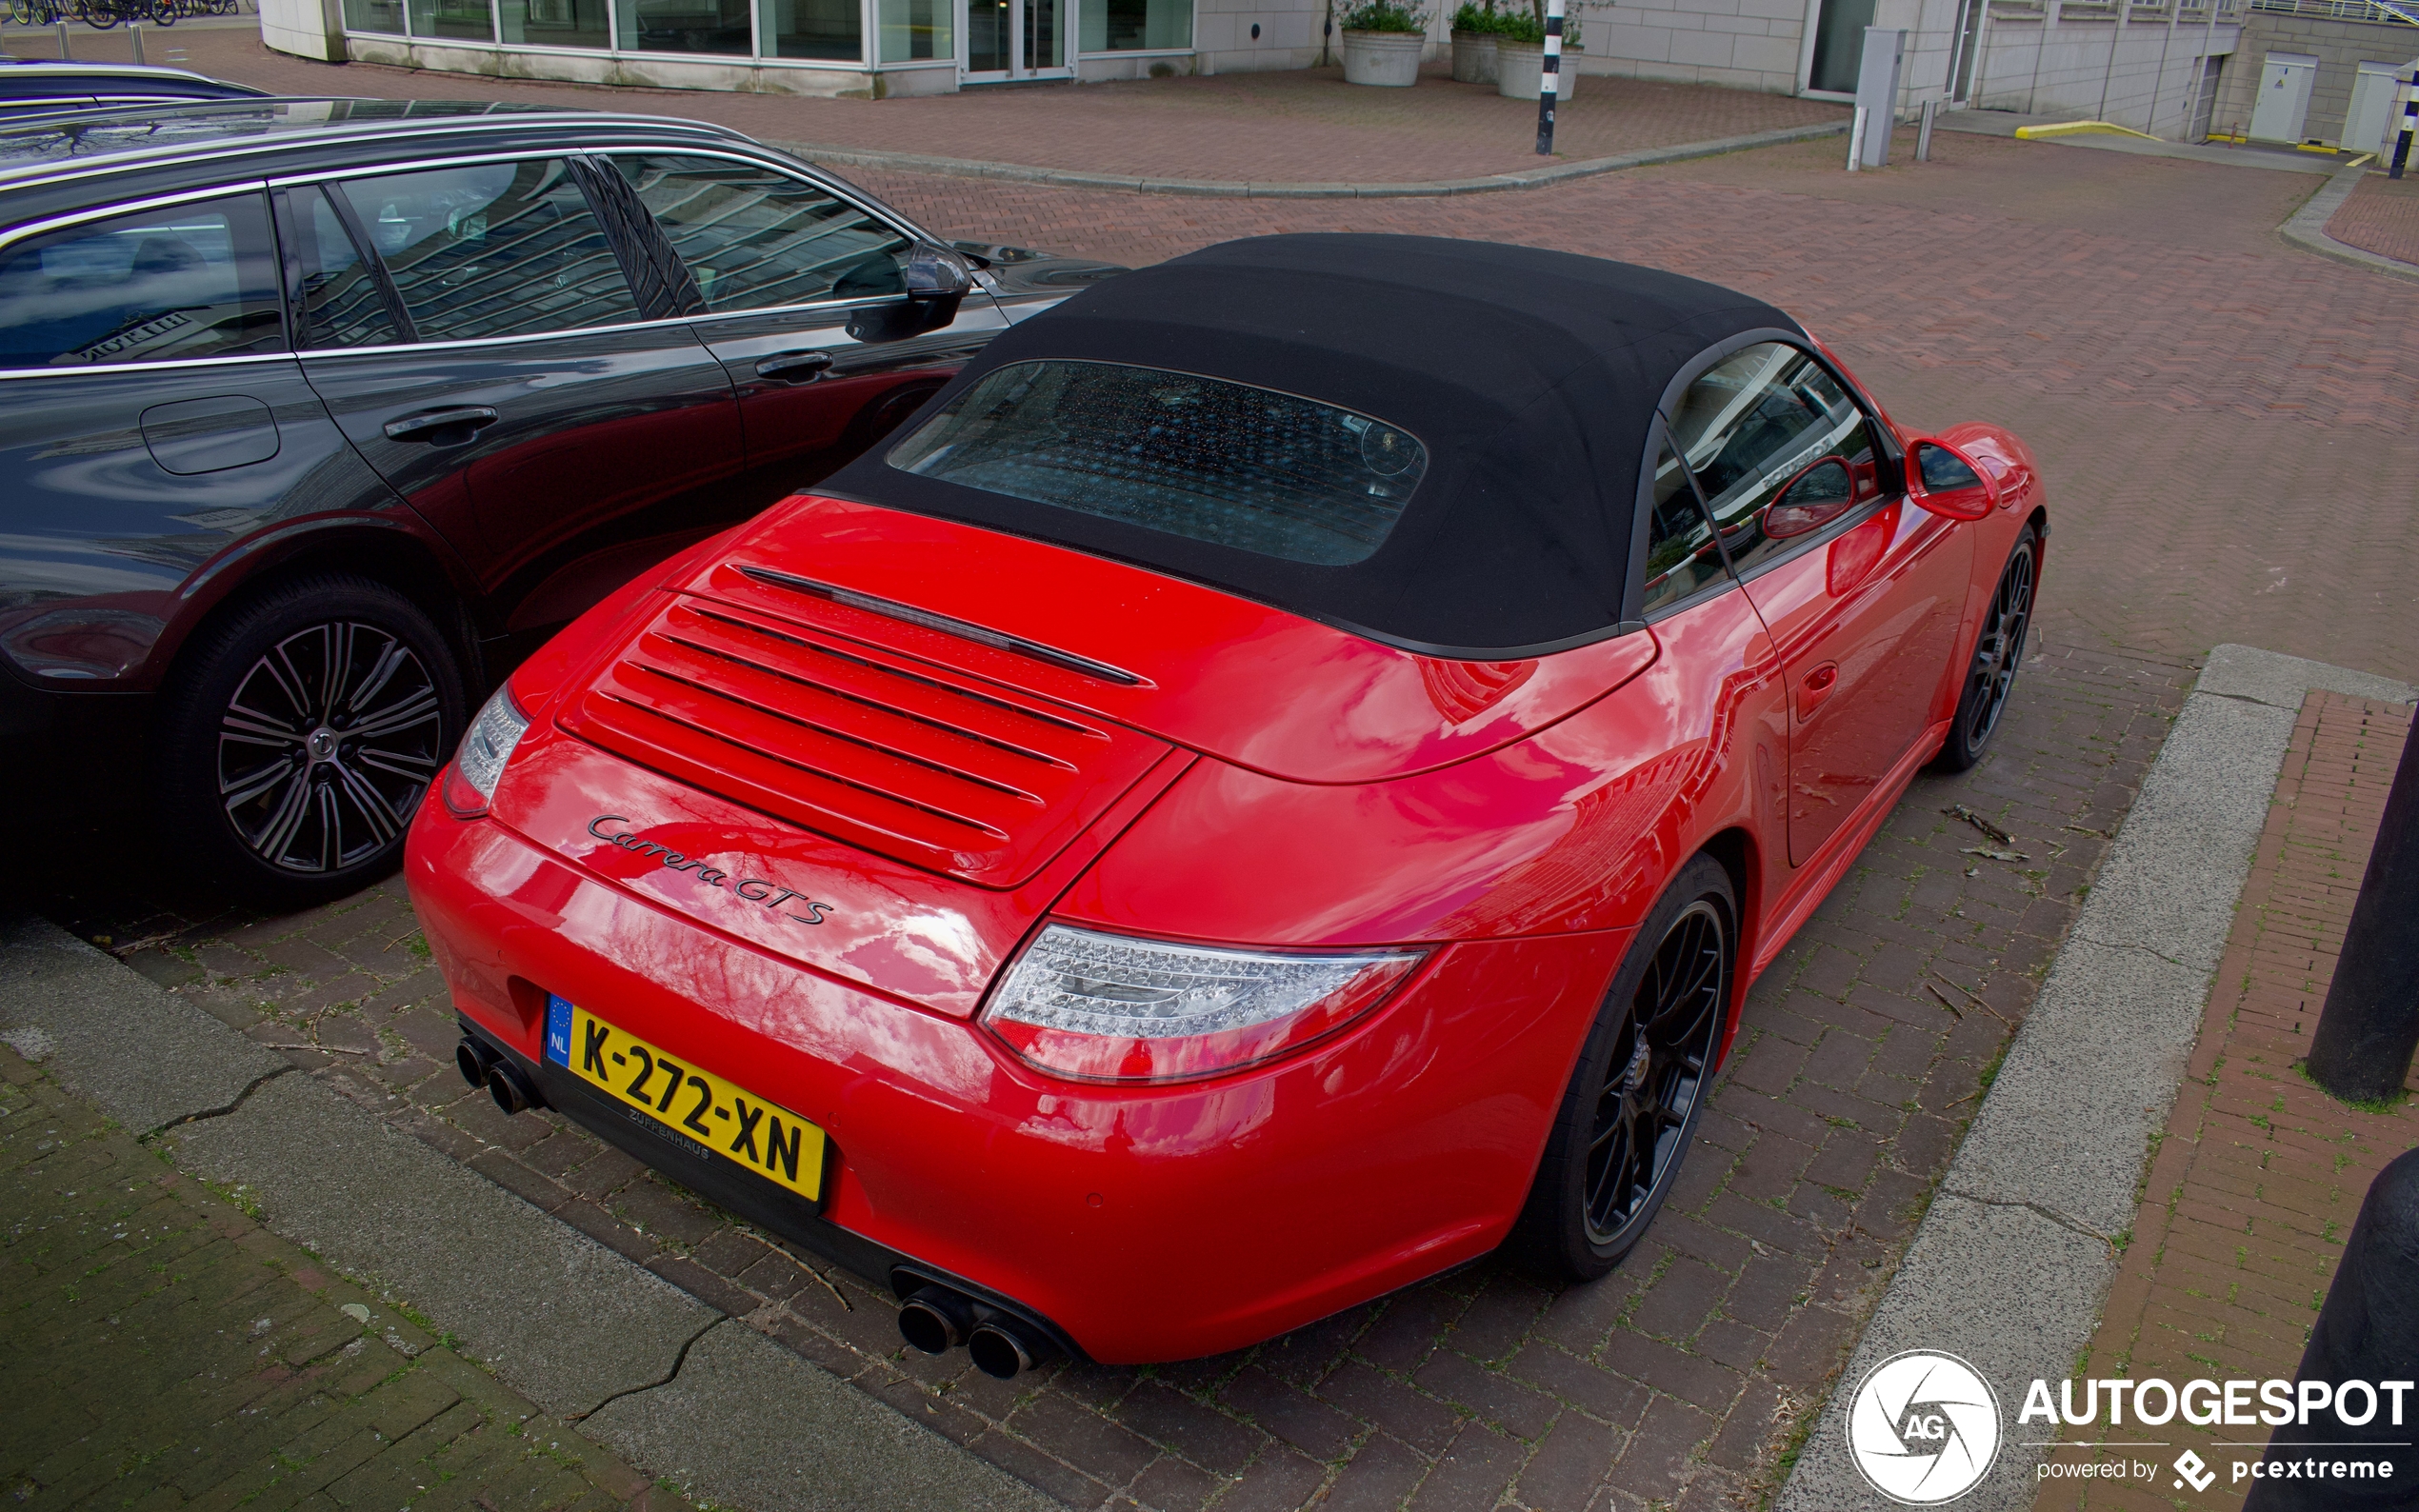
[471, 777]
[1107, 1007]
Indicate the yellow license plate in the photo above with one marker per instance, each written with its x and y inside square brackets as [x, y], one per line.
[695, 1104]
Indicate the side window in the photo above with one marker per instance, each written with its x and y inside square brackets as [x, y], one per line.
[1681, 556]
[342, 305]
[492, 250]
[756, 238]
[194, 280]
[1750, 427]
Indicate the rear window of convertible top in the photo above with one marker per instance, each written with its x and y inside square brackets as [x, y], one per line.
[1198, 457]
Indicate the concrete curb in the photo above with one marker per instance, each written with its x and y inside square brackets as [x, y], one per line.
[663, 1379]
[2307, 229]
[2012, 1262]
[1420, 188]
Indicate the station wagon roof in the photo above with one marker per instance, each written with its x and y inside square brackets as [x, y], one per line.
[105, 142]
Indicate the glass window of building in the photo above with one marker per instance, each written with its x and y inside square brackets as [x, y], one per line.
[157, 286]
[454, 20]
[829, 29]
[914, 30]
[1136, 25]
[756, 238]
[554, 23]
[375, 15]
[492, 250]
[686, 25]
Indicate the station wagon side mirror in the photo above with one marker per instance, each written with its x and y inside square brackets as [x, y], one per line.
[1947, 482]
[1813, 499]
[938, 281]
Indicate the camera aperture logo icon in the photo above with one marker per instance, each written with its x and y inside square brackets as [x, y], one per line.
[1924, 1428]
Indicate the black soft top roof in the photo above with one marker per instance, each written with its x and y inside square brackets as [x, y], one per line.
[1531, 376]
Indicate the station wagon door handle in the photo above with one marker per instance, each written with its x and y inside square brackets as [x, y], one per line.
[794, 366]
[449, 426]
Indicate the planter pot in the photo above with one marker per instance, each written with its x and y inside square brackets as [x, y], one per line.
[1387, 58]
[1473, 57]
[1519, 66]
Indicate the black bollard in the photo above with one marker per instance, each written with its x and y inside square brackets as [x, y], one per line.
[2367, 1330]
[2370, 1025]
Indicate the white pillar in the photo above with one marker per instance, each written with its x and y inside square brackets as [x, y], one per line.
[307, 29]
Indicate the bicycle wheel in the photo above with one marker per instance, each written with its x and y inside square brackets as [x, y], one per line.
[98, 14]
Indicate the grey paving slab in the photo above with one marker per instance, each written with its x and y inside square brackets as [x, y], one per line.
[147, 1059]
[2012, 1262]
[747, 1423]
[683, 1391]
[556, 1314]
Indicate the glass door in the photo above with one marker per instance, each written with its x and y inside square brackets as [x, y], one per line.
[1014, 39]
[990, 38]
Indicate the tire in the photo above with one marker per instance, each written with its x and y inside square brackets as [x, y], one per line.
[1599, 1185]
[1998, 656]
[300, 736]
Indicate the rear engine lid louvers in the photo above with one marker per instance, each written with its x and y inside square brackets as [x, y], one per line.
[901, 758]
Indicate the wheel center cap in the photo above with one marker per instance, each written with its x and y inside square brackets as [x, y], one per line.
[1635, 1077]
[321, 743]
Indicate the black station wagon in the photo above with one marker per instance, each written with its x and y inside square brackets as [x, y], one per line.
[315, 416]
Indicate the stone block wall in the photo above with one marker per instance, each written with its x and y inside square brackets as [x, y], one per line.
[2088, 62]
[2340, 47]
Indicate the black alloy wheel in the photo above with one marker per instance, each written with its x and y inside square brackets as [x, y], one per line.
[1641, 1083]
[305, 738]
[1999, 652]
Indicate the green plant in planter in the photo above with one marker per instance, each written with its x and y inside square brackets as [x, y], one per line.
[1385, 15]
[1473, 16]
[1530, 27]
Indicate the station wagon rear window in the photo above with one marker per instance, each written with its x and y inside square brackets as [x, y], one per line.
[1203, 458]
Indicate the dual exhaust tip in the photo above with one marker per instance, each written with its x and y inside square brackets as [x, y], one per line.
[934, 1320]
[937, 1320]
[482, 1066]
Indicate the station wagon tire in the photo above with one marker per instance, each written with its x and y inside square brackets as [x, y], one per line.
[1999, 651]
[300, 736]
[1635, 1097]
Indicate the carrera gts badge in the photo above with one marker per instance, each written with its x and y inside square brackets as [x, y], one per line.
[768, 895]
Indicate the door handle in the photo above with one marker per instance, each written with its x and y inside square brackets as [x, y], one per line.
[449, 426]
[1814, 688]
[794, 366]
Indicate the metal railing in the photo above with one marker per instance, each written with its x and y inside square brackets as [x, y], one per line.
[2390, 12]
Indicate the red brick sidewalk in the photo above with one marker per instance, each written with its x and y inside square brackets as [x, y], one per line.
[2260, 1174]
[2382, 216]
[1296, 126]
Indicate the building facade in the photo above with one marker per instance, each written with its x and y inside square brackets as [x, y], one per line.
[2157, 65]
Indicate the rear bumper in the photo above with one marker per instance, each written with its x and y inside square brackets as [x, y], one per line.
[1144, 1224]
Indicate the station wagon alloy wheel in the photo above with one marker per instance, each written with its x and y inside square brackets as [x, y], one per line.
[326, 746]
[295, 746]
[1658, 1072]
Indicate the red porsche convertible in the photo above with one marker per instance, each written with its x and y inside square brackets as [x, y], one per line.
[1275, 786]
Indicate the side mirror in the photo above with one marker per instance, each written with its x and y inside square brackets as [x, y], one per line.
[1945, 482]
[936, 281]
[1813, 499]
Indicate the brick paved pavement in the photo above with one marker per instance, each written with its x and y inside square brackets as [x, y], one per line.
[2382, 216]
[2259, 1175]
[2226, 429]
[1305, 125]
[163, 1350]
